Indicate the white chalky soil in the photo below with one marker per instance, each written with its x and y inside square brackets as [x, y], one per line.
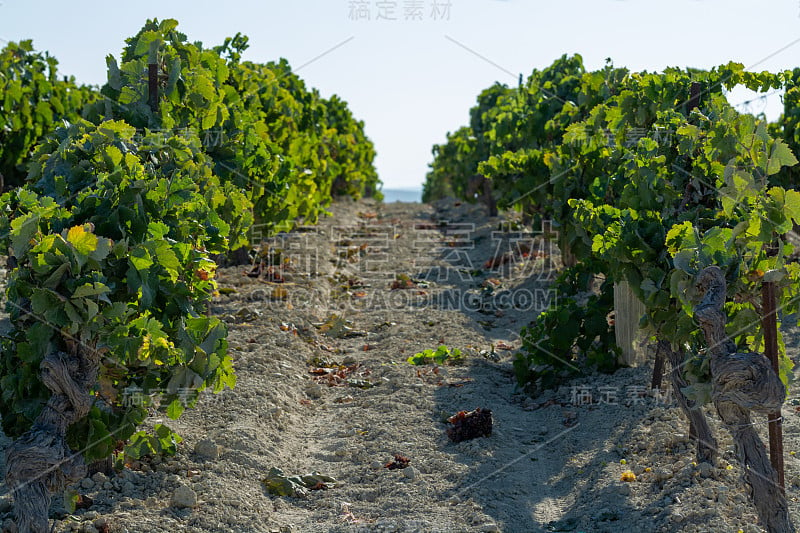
[552, 464]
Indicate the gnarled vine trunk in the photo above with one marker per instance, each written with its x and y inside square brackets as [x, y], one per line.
[699, 430]
[743, 382]
[40, 462]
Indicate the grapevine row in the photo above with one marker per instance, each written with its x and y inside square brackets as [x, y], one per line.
[112, 232]
[651, 179]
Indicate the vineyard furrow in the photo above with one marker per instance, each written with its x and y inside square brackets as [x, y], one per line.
[550, 464]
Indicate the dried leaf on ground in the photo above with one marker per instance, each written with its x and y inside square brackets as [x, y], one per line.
[399, 462]
[467, 425]
[339, 328]
[245, 314]
[404, 281]
[334, 374]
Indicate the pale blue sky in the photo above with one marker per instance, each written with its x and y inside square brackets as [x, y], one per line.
[412, 81]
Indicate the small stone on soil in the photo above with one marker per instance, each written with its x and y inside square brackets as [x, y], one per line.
[207, 449]
[184, 497]
[411, 472]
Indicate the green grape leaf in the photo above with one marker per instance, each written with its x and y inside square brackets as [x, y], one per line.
[780, 155]
[175, 409]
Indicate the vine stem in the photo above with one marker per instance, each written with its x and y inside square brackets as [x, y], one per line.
[741, 383]
[40, 462]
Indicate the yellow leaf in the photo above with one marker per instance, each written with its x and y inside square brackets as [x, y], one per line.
[82, 240]
[144, 350]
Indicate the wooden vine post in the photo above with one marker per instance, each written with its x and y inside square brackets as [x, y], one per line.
[481, 188]
[628, 311]
[743, 382]
[694, 96]
[152, 85]
[775, 420]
